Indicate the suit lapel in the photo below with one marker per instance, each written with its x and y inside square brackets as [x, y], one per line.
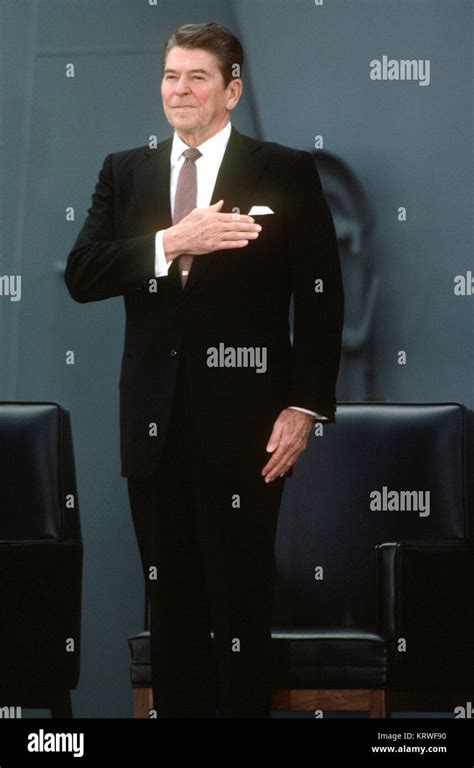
[239, 171]
[152, 188]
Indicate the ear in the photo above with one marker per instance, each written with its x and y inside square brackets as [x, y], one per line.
[235, 88]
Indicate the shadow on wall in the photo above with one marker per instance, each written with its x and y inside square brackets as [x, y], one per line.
[354, 224]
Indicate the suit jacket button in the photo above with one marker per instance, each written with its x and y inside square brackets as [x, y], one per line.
[173, 352]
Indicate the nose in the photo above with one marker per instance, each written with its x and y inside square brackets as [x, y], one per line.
[182, 85]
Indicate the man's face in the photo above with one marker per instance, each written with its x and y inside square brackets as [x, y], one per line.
[195, 99]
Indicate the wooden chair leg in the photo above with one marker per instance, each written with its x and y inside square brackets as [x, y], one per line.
[378, 704]
[142, 702]
[61, 705]
[368, 700]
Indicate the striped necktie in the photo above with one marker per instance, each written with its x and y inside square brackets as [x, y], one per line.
[185, 201]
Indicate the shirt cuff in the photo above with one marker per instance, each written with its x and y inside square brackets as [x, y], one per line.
[312, 413]
[161, 265]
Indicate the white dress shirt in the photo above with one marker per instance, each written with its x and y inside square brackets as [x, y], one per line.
[207, 167]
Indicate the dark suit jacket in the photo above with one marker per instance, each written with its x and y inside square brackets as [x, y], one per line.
[237, 297]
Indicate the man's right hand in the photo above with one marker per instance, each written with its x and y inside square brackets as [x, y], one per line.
[205, 230]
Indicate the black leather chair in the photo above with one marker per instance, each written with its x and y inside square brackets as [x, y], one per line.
[40, 559]
[373, 610]
[372, 607]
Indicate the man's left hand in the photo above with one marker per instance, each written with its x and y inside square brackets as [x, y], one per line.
[287, 441]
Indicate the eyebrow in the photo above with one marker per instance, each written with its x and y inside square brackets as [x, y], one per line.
[192, 71]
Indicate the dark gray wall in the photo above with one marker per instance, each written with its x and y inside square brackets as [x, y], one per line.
[56, 135]
[410, 146]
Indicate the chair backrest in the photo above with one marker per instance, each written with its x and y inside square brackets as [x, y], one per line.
[41, 552]
[382, 473]
[38, 494]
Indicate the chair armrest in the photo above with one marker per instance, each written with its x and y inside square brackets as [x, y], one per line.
[40, 599]
[425, 610]
[71, 528]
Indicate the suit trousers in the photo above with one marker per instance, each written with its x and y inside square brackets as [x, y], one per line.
[208, 526]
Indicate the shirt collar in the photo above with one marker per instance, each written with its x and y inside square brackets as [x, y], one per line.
[214, 144]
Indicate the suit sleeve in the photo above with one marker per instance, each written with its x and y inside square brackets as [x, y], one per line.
[100, 266]
[317, 292]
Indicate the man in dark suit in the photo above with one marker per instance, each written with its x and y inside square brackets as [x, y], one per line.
[210, 383]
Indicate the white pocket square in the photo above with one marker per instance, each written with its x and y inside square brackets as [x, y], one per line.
[259, 210]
